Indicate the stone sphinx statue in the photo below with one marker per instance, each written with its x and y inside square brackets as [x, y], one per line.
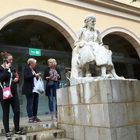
[90, 50]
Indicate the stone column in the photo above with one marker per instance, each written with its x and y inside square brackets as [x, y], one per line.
[101, 110]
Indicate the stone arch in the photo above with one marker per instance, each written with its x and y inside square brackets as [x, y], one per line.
[43, 16]
[125, 33]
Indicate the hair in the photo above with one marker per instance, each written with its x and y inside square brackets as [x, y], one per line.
[52, 60]
[90, 18]
[31, 60]
[5, 55]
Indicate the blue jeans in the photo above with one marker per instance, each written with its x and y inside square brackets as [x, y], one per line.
[52, 97]
[32, 104]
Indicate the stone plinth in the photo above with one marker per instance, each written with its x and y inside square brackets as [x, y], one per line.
[101, 110]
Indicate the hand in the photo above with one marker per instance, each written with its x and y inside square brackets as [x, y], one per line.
[7, 65]
[37, 74]
[16, 80]
[33, 72]
[47, 78]
[58, 76]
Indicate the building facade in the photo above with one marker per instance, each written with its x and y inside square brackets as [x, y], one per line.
[50, 27]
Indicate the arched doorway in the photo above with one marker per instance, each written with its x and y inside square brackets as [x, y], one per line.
[33, 29]
[43, 16]
[126, 34]
[125, 55]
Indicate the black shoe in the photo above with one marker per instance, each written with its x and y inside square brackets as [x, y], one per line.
[20, 132]
[31, 120]
[8, 135]
[36, 119]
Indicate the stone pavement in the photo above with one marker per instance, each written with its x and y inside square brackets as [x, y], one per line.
[30, 127]
[45, 130]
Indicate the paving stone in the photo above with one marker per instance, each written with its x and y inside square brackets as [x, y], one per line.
[46, 124]
[118, 114]
[69, 131]
[91, 93]
[43, 135]
[136, 90]
[82, 115]
[75, 94]
[126, 133]
[91, 133]
[66, 114]
[63, 96]
[100, 115]
[64, 139]
[79, 133]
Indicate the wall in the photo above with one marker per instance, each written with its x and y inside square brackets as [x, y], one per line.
[100, 110]
[71, 15]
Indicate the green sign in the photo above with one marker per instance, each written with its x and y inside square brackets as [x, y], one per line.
[34, 52]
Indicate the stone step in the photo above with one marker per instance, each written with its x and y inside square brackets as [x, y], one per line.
[55, 134]
[46, 124]
[64, 139]
[34, 127]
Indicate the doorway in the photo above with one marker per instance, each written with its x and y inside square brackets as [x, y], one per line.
[17, 37]
[125, 58]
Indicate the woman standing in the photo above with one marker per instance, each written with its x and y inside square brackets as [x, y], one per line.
[8, 73]
[27, 90]
[52, 75]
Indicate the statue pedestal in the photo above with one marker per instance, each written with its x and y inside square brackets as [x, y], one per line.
[100, 110]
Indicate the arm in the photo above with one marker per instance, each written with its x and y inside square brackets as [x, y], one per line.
[28, 75]
[99, 39]
[78, 37]
[16, 79]
[58, 71]
[46, 73]
[15, 74]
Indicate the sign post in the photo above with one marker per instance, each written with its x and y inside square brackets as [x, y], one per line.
[34, 52]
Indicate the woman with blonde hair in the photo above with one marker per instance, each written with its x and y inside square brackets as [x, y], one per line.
[52, 76]
[27, 89]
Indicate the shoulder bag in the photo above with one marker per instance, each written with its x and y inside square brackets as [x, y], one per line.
[7, 94]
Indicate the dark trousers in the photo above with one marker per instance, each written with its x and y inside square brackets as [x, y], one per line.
[52, 97]
[14, 102]
[32, 104]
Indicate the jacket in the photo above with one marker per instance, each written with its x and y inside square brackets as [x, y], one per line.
[28, 84]
[46, 74]
[5, 76]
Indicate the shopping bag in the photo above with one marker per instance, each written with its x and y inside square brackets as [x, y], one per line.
[39, 86]
[7, 93]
